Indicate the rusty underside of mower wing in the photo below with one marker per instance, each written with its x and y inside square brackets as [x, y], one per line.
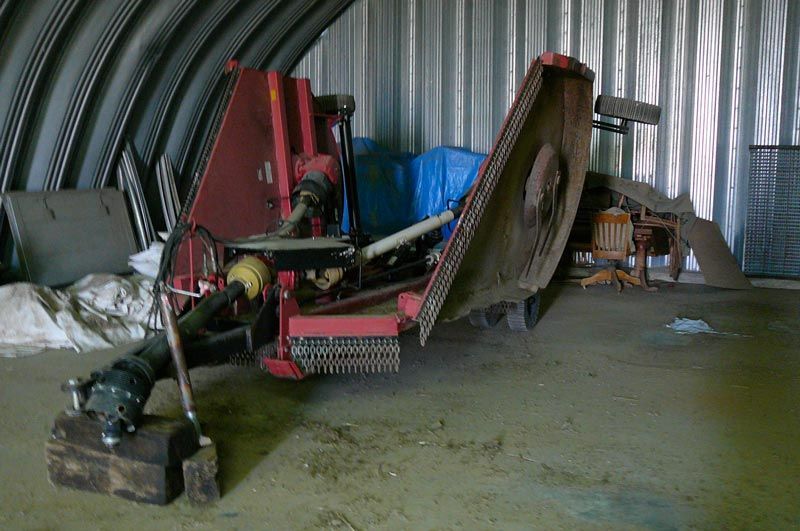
[493, 254]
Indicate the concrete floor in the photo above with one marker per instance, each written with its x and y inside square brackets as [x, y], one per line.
[601, 418]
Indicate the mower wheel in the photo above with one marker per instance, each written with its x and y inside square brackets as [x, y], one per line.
[522, 316]
[485, 318]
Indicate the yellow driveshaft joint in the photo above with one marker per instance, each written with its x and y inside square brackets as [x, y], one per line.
[251, 272]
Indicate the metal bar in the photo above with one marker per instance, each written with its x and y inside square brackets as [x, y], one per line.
[138, 202]
[168, 192]
[179, 361]
[281, 137]
[306, 116]
[141, 233]
[369, 297]
[214, 349]
[349, 173]
[408, 234]
[294, 218]
[607, 126]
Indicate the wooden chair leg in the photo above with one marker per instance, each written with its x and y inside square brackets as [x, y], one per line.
[625, 277]
[674, 259]
[615, 278]
[597, 278]
[643, 281]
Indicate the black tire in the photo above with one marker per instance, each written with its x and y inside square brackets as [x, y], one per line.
[522, 316]
[485, 318]
[627, 109]
[333, 103]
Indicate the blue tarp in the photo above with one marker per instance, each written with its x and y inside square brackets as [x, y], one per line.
[396, 190]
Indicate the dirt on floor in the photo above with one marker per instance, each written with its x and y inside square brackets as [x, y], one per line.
[601, 418]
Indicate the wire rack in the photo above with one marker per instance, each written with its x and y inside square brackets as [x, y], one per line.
[772, 227]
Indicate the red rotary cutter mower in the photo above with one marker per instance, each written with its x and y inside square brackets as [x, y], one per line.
[259, 270]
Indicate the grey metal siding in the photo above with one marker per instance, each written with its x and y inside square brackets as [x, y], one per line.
[726, 73]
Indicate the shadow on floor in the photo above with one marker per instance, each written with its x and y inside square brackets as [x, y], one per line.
[246, 419]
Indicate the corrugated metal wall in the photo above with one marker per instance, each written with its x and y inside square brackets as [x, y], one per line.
[726, 73]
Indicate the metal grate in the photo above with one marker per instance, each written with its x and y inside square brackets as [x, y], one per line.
[338, 355]
[772, 229]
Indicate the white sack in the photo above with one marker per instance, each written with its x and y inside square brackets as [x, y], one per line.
[99, 311]
[146, 262]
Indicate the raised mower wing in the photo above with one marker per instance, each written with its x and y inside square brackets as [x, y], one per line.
[498, 252]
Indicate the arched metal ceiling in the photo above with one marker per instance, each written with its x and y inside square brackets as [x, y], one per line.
[78, 78]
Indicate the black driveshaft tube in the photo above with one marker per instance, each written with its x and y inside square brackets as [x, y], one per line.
[120, 391]
[157, 354]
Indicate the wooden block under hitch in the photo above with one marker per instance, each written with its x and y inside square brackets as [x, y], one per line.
[158, 440]
[77, 467]
[146, 466]
[200, 476]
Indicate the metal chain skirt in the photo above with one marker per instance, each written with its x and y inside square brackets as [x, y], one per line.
[470, 219]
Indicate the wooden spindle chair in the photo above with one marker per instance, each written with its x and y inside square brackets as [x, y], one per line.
[611, 240]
